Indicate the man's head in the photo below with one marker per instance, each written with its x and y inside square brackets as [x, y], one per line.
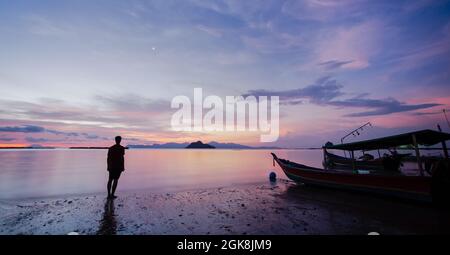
[118, 139]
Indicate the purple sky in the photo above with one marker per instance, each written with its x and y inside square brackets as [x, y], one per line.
[81, 72]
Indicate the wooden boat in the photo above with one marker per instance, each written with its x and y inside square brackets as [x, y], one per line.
[392, 183]
[332, 161]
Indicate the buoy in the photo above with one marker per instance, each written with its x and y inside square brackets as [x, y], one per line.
[273, 176]
[72, 233]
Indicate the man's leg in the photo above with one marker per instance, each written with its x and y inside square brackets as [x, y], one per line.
[114, 186]
[109, 186]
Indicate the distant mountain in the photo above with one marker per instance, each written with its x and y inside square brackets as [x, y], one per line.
[229, 146]
[160, 146]
[217, 145]
[199, 145]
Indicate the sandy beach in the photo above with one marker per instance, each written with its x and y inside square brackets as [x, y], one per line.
[265, 208]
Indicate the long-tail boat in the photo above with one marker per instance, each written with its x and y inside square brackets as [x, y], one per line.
[381, 175]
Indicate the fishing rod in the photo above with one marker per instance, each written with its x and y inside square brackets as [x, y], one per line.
[355, 132]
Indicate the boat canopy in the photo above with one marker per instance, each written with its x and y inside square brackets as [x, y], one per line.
[425, 137]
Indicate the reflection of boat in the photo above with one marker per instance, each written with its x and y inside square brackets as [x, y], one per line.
[376, 175]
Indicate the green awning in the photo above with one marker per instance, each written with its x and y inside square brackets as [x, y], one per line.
[423, 137]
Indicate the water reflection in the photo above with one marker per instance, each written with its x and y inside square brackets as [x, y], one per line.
[42, 173]
[108, 223]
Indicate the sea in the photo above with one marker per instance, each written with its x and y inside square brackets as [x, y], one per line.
[39, 173]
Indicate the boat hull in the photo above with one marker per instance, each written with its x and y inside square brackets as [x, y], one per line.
[410, 187]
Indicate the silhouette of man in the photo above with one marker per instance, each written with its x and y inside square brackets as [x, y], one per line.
[115, 165]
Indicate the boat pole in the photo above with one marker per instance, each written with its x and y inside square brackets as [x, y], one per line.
[353, 160]
[416, 148]
[444, 145]
[445, 114]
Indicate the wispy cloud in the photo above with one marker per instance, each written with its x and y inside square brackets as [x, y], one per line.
[41, 140]
[23, 129]
[323, 10]
[334, 64]
[7, 139]
[321, 92]
[431, 112]
[357, 43]
[40, 129]
[210, 30]
[379, 106]
[416, 57]
[128, 110]
[326, 91]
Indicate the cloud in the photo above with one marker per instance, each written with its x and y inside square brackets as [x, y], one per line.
[7, 139]
[322, 91]
[37, 140]
[93, 137]
[416, 57]
[134, 103]
[380, 106]
[129, 110]
[358, 43]
[431, 113]
[23, 129]
[415, 5]
[39, 129]
[273, 42]
[62, 133]
[334, 64]
[210, 30]
[326, 90]
[42, 26]
[323, 10]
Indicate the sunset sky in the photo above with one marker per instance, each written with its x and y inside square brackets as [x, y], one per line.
[80, 72]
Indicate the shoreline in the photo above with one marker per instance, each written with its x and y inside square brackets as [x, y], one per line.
[146, 191]
[263, 208]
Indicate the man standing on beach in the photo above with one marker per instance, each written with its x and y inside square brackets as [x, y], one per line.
[115, 166]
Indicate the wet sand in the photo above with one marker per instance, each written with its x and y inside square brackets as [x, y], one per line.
[266, 208]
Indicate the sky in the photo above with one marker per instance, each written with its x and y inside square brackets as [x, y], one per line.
[78, 73]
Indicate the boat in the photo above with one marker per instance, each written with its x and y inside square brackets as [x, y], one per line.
[380, 178]
[333, 161]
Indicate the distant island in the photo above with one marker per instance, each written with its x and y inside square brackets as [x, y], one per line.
[217, 145]
[199, 145]
[171, 145]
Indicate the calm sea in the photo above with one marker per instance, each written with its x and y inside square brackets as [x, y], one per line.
[44, 173]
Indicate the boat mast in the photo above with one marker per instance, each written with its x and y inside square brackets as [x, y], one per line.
[444, 145]
[416, 148]
[445, 114]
